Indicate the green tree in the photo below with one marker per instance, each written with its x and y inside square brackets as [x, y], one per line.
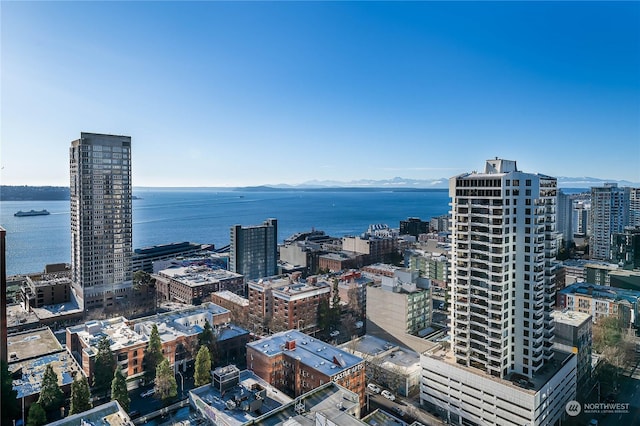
[103, 367]
[166, 386]
[80, 396]
[119, 390]
[203, 367]
[324, 315]
[51, 395]
[335, 305]
[209, 339]
[37, 415]
[9, 402]
[153, 354]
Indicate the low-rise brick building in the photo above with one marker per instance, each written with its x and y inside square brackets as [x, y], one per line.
[284, 302]
[296, 363]
[194, 284]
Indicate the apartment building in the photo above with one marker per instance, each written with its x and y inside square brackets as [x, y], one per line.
[254, 250]
[601, 302]
[286, 302]
[610, 208]
[296, 363]
[101, 218]
[194, 284]
[128, 340]
[501, 368]
[398, 305]
[573, 334]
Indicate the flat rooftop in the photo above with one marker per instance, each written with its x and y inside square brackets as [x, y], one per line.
[574, 318]
[232, 297]
[195, 276]
[311, 352]
[601, 292]
[329, 400]
[212, 397]
[64, 365]
[109, 414]
[229, 331]
[17, 316]
[185, 322]
[371, 346]
[30, 344]
[116, 329]
[513, 380]
[382, 418]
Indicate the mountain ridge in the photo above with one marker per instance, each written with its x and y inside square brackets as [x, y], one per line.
[44, 193]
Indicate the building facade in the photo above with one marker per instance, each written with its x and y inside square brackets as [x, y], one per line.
[574, 335]
[503, 269]
[609, 215]
[414, 226]
[101, 218]
[254, 250]
[282, 303]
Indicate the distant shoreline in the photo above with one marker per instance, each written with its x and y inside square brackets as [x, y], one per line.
[61, 193]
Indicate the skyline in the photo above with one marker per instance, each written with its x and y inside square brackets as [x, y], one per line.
[241, 94]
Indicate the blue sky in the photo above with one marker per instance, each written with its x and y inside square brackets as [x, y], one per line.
[246, 93]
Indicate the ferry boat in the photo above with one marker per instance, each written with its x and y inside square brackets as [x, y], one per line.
[20, 213]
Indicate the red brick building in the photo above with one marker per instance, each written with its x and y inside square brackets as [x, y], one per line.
[282, 303]
[296, 363]
[194, 284]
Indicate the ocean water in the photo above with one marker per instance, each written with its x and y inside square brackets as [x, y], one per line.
[163, 216]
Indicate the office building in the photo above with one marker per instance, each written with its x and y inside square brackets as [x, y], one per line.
[101, 221]
[609, 215]
[143, 258]
[254, 250]
[501, 368]
[413, 226]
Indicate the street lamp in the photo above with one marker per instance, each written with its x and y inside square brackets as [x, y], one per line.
[181, 383]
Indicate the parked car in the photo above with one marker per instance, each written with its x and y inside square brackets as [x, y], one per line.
[147, 393]
[388, 395]
[334, 333]
[374, 388]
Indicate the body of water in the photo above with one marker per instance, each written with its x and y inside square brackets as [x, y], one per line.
[163, 216]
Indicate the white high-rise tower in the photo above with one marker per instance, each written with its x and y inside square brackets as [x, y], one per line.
[502, 273]
[501, 368]
[101, 218]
